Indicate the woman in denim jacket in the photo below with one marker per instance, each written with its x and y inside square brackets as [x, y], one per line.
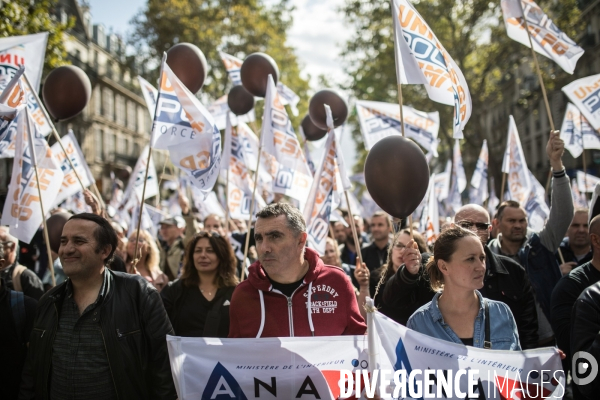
[457, 312]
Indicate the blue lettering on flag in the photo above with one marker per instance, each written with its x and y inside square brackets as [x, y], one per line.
[222, 385]
[592, 102]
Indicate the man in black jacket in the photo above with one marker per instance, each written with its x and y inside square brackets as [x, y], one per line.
[101, 334]
[585, 342]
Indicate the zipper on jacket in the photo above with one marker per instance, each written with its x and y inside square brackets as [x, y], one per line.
[119, 334]
[108, 359]
[40, 330]
[290, 315]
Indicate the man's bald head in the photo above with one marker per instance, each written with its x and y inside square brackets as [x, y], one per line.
[471, 211]
[10, 244]
[595, 226]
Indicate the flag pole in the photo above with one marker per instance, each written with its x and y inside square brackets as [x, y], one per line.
[139, 221]
[410, 219]
[502, 187]
[539, 74]
[260, 146]
[37, 181]
[227, 212]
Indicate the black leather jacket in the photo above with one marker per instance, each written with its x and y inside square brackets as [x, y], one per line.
[505, 281]
[585, 334]
[134, 326]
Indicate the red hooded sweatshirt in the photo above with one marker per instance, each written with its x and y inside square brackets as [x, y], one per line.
[258, 310]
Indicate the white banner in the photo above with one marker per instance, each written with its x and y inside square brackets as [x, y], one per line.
[27, 50]
[233, 66]
[479, 180]
[219, 110]
[421, 59]
[579, 199]
[184, 127]
[547, 39]
[497, 374]
[515, 165]
[70, 185]
[577, 132]
[135, 186]
[442, 182]
[22, 211]
[240, 184]
[585, 94]
[430, 220]
[494, 201]
[536, 207]
[318, 208]
[379, 120]
[282, 154]
[150, 95]
[586, 182]
[288, 97]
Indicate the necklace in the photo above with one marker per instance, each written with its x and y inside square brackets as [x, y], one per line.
[206, 291]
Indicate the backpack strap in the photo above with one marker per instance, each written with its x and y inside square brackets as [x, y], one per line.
[16, 277]
[17, 305]
[487, 344]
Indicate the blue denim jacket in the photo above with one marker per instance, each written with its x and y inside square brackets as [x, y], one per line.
[503, 329]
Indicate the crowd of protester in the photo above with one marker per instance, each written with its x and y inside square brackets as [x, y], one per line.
[488, 282]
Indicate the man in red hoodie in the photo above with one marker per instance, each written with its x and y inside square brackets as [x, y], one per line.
[289, 291]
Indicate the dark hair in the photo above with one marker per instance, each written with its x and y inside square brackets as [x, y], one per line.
[104, 234]
[227, 262]
[295, 219]
[384, 215]
[507, 203]
[443, 249]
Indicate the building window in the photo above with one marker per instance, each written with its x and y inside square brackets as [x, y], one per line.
[110, 145]
[131, 117]
[97, 101]
[99, 144]
[121, 145]
[120, 109]
[141, 120]
[108, 106]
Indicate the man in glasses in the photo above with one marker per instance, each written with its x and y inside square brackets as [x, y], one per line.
[505, 280]
[16, 276]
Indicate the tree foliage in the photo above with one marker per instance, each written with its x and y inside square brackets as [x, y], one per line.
[237, 27]
[473, 33]
[22, 17]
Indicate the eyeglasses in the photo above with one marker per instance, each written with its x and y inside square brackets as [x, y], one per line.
[480, 226]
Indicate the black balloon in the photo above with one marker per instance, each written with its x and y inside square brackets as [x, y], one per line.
[239, 100]
[316, 109]
[311, 131]
[255, 72]
[66, 92]
[189, 64]
[396, 175]
[55, 226]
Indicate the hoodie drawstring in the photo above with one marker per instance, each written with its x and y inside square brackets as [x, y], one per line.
[310, 322]
[262, 313]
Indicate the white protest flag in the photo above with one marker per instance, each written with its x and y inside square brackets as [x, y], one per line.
[147, 223]
[150, 95]
[76, 204]
[27, 50]
[307, 152]
[219, 110]
[421, 59]
[233, 66]
[579, 198]
[70, 185]
[209, 205]
[479, 180]
[430, 221]
[515, 165]
[22, 95]
[184, 127]
[458, 181]
[282, 153]
[536, 208]
[241, 184]
[22, 211]
[493, 201]
[577, 132]
[288, 97]
[585, 94]
[547, 39]
[586, 182]
[442, 182]
[379, 120]
[506, 375]
[135, 186]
